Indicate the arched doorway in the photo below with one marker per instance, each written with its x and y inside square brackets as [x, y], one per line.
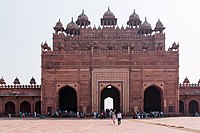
[38, 107]
[152, 99]
[25, 107]
[68, 99]
[108, 103]
[113, 93]
[193, 107]
[181, 107]
[9, 108]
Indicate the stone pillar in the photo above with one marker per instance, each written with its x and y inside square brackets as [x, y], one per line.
[1, 106]
[186, 107]
[33, 105]
[17, 107]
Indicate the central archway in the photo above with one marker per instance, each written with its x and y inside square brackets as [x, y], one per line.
[68, 99]
[152, 99]
[111, 92]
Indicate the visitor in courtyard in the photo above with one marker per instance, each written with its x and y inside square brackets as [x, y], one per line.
[35, 114]
[119, 118]
[113, 116]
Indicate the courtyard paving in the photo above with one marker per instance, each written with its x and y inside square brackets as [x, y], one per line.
[51, 125]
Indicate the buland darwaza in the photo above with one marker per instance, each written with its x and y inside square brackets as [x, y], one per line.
[87, 65]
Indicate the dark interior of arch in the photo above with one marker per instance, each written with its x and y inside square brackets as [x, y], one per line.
[193, 107]
[113, 93]
[181, 107]
[25, 107]
[38, 107]
[68, 99]
[9, 108]
[152, 99]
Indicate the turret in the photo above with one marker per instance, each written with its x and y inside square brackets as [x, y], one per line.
[83, 20]
[108, 19]
[159, 26]
[145, 28]
[134, 20]
[16, 81]
[58, 27]
[72, 28]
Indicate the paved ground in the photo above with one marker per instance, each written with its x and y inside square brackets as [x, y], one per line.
[50, 125]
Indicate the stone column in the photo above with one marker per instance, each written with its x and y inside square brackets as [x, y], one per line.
[1, 107]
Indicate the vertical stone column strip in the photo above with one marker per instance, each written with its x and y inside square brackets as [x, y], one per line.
[1, 107]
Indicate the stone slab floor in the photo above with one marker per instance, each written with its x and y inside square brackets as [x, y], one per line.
[51, 125]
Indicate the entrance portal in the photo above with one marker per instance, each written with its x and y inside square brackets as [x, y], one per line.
[68, 99]
[112, 93]
[152, 99]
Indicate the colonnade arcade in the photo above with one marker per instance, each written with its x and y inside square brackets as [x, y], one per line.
[11, 107]
[189, 107]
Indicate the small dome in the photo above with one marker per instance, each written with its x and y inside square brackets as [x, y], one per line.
[145, 25]
[72, 26]
[45, 46]
[32, 81]
[134, 16]
[159, 24]
[16, 81]
[59, 24]
[108, 14]
[186, 81]
[2, 81]
[82, 17]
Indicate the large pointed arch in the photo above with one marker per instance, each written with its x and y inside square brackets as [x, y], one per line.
[68, 99]
[193, 107]
[112, 92]
[25, 107]
[152, 99]
[9, 108]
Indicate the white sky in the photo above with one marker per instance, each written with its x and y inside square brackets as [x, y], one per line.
[25, 24]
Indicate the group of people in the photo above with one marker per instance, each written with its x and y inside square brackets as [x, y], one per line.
[154, 114]
[116, 115]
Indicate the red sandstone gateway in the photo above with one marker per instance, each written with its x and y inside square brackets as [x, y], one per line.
[90, 64]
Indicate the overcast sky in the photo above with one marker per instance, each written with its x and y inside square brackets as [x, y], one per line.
[25, 24]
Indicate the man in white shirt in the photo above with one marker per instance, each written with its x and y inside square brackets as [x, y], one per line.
[119, 117]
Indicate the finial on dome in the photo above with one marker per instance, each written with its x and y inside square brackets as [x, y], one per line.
[108, 8]
[72, 19]
[83, 11]
[134, 11]
[145, 19]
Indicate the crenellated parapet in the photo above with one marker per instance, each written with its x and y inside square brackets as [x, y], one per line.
[189, 89]
[20, 87]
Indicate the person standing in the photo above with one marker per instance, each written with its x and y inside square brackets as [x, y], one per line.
[113, 116]
[119, 118]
